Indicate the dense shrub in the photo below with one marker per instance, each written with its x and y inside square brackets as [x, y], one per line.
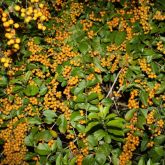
[82, 82]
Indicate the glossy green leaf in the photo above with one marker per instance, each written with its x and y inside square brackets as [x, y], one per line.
[144, 97]
[62, 122]
[99, 134]
[43, 149]
[120, 37]
[31, 90]
[129, 114]
[91, 125]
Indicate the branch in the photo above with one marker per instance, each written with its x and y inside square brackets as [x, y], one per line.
[110, 91]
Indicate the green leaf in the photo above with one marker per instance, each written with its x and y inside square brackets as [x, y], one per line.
[92, 96]
[160, 139]
[30, 155]
[88, 160]
[53, 133]
[149, 162]
[92, 141]
[100, 158]
[111, 116]
[115, 123]
[104, 148]
[161, 89]
[91, 125]
[31, 90]
[73, 161]
[115, 160]
[34, 120]
[49, 113]
[141, 121]
[94, 102]
[103, 111]
[120, 139]
[80, 128]
[159, 150]
[49, 116]
[62, 122]
[108, 36]
[3, 81]
[43, 90]
[155, 67]
[144, 112]
[43, 149]
[93, 115]
[143, 145]
[92, 108]
[120, 37]
[141, 161]
[130, 114]
[97, 63]
[116, 132]
[144, 97]
[84, 47]
[59, 160]
[43, 135]
[80, 98]
[27, 76]
[80, 88]
[75, 116]
[17, 89]
[77, 72]
[99, 134]
[29, 140]
[37, 40]
[107, 138]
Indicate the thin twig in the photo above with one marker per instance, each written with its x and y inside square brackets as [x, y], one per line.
[116, 106]
[1, 154]
[53, 126]
[110, 91]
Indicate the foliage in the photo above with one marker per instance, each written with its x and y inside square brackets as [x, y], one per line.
[82, 82]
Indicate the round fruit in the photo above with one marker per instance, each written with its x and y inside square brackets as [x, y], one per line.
[17, 40]
[16, 46]
[11, 21]
[3, 59]
[40, 26]
[41, 5]
[16, 25]
[6, 24]
[17, 8]
[6, 65]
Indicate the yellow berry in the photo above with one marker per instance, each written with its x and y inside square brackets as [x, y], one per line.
[11, 41]
[41, 5]
[11, 21]
[39, 14]
[43, 28]
[3, 59]
[22, 14]
[40, 26]
[4, 14]
[16, 46]
[23, 10]
[17, 8]
[4, 19]
[8, 35]
[42, 18]
[16, 25]
[6, 24]
[28, 19]
[6, 64]
[17, 40]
